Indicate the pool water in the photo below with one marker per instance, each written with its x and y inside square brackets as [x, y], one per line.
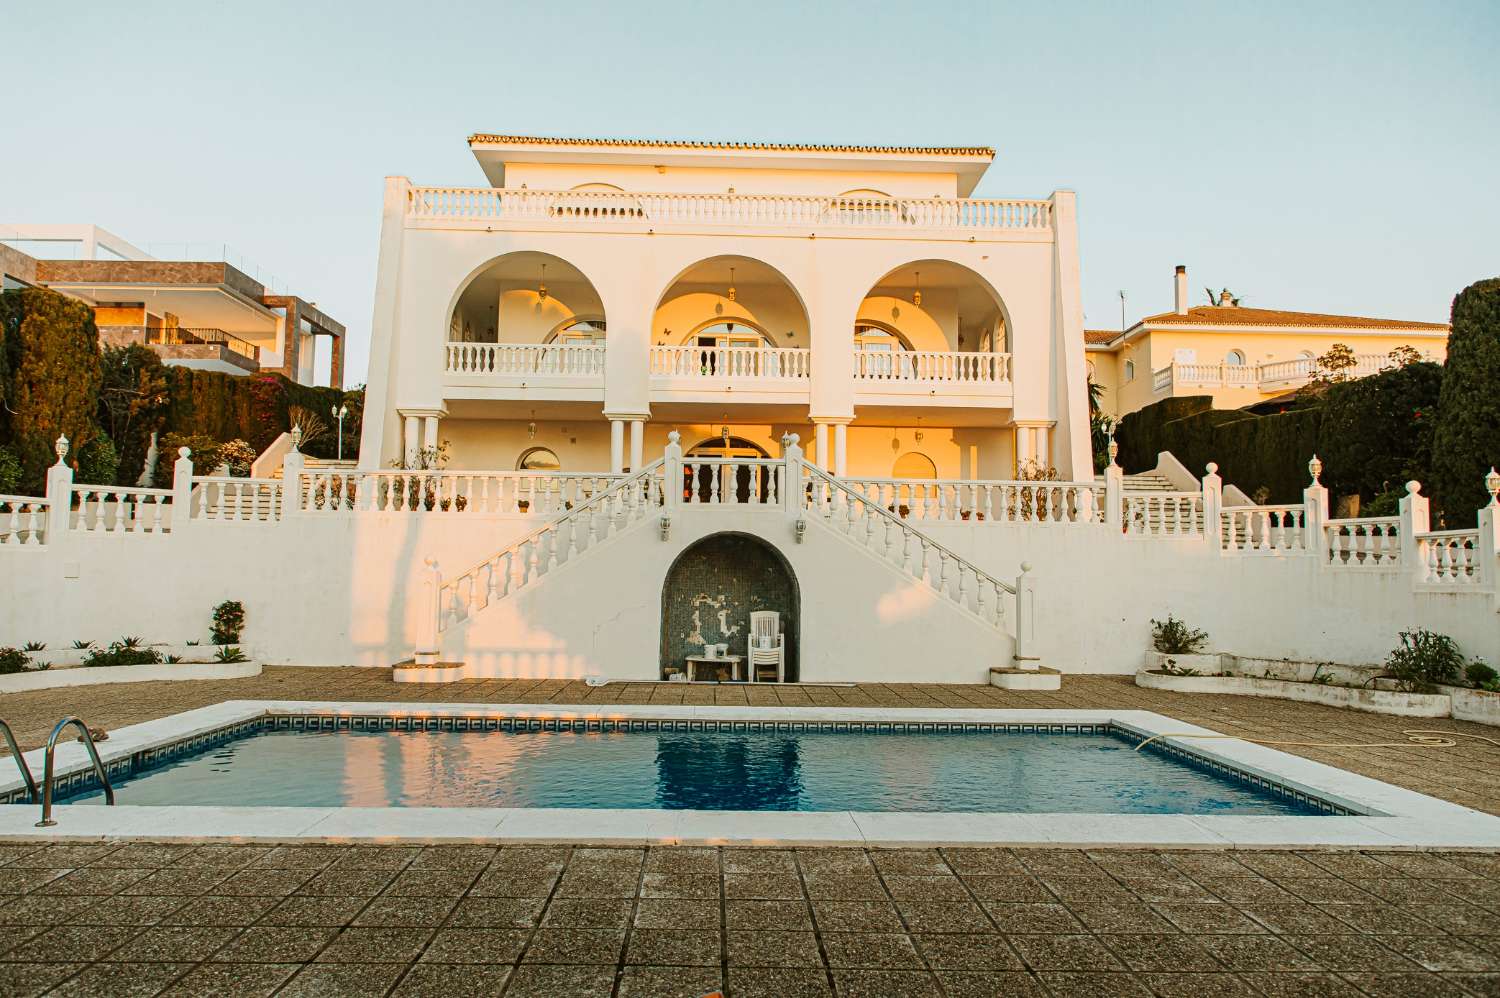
[987, 771]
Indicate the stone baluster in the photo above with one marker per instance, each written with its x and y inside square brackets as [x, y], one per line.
[1415, 516]
[59, 493]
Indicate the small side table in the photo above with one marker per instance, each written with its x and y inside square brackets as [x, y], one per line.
[736, 665]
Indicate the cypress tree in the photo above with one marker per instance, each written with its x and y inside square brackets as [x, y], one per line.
[1466, 440]
[55, 381]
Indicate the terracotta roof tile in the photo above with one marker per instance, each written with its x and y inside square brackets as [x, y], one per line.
[1218, 315]
[482, 138]
[1098, 337]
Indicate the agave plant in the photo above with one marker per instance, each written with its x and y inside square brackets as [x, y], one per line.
[34, 646]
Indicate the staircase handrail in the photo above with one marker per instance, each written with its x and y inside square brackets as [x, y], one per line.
[553, 525]
[815, 473]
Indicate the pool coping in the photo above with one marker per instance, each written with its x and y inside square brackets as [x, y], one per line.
[1394, 818]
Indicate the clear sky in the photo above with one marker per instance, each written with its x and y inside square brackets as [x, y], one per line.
[1340, 157]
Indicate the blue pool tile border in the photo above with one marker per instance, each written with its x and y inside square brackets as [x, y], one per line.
[84, 780]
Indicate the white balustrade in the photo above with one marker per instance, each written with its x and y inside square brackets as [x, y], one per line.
[982, 501]
[602, 515]
[731, 363]
[1162, 514]
[732, 481]
[505, 492]
[107, 509]
[1161, 379]
[1367, 542]
[1448, 558]
[870, 524]
[485, 204]
[23, 521]
[239, 500]
[931, 365]
[526, 359]
[1263, 530]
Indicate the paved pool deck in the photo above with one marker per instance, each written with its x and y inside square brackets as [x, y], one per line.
[532, 921]
[520, 921]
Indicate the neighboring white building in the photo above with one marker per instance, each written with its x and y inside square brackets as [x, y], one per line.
[597, 294]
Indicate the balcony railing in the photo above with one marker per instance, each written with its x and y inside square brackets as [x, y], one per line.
[1271, 376]
[886, 366]
[488, 204]
[732, 363]
[185, 336]
[523, 359]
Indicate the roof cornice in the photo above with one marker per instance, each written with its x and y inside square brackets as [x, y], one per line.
[485, 139]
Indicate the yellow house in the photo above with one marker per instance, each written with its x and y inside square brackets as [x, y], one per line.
[1238, 355]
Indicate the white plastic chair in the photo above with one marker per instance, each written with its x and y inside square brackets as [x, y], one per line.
[767, 645]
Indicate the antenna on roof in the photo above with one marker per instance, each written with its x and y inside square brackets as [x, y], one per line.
[1122, 310]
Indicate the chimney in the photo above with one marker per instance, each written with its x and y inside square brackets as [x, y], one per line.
[1225, 298]
[1180, 305]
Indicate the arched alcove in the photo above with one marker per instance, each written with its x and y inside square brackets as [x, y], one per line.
[934, 305]
[526, 297]
[712, 588]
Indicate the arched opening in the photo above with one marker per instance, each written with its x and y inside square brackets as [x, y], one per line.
[931, 305]
[729, 302]
[526, 297]
[539, 459]
[578, 332]
[710, 591]
[701, 478]
[914, 464]
[1235, 358]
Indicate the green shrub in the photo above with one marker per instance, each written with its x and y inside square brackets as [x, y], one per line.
[10, 471]
[203, 450]
[126, 651]
[1466, 440]
[1376, 433]
[229, 622]
[1424, 659]
[1173, 637]
[52, 378]
[239, 456]
[1480, 675]
[133, 401]
[229, 653]
[13, 660]
[98, 462]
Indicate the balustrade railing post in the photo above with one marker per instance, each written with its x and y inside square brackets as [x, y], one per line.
[671, 472]
[1114, 491]
[1026, 655]
[1415, 519]
[791, 482]
[59, 492]
[291, 477]
[1314, 512]
[182, 491]
[1488, 547]
[430, 614]
[1213, 505]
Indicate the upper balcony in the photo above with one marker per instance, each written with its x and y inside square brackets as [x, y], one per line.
[488, 207]
[1269, 378]
[209, 349]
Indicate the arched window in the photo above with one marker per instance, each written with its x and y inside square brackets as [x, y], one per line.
[914, 465]
[729, 333]
[868, 337]
[539, 459]
[1130, 370]
[1234, 358]
[581, 333]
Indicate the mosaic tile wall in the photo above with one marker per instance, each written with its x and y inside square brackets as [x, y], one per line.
[711, 591]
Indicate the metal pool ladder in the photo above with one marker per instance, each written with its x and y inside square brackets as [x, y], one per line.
[88, 743]
[15, 753]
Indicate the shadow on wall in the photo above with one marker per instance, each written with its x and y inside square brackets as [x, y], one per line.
[712, 588]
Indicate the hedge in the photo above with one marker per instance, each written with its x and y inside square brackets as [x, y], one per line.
[256, 409]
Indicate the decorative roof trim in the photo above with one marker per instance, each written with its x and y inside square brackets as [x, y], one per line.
[484, 138]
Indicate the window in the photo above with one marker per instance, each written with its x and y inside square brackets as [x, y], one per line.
[583, 333]
[728, 334]
[868, 337]
[1130, 370]
[914, 465]
[1234, 358]
[539, 459]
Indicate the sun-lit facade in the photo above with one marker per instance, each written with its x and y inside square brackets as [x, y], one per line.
[599, 294]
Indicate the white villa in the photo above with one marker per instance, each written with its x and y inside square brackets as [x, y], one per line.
[597, 294]
[629, 399]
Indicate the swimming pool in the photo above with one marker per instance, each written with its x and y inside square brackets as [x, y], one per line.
[705, 767]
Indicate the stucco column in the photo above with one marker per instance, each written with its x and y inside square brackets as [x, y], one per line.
[820, 444]
[616, 445]
[840, 449]
[430, 432]
[637, 443]
[409, 429]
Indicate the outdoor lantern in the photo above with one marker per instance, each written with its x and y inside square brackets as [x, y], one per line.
[916, 295]
[1492, 484]
[541, 289]
[731, 284]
